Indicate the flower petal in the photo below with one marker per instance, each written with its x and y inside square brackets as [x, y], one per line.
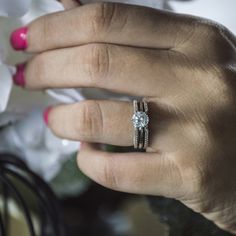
[14, 8]
[48, 5]
[6, 86]
[66, 95]
[39, 8]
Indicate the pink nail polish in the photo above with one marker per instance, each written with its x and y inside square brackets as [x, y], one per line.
[18, 38]
[18, 77]
[46, 114]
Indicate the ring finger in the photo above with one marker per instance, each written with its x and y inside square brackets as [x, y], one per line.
[94, 121]
[109, 122]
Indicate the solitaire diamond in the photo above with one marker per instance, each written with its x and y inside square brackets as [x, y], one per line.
[140, 119]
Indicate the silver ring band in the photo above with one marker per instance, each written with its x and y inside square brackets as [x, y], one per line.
[140, 121]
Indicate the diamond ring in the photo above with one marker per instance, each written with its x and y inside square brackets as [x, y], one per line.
[140, 121]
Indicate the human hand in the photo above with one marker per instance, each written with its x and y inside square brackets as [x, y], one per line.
[183, 66]
[69, 4]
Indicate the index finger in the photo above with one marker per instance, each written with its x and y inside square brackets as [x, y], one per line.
[113, 23]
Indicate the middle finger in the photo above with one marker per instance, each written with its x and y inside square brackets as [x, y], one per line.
[121, 69]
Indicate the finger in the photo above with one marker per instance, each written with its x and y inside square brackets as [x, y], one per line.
[109, 122]
[142, 173]
[69, 4]
[111, 23]
[94, 121]
[135, 71]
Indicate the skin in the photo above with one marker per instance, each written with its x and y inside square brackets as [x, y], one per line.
[69, 4]
[183, 66]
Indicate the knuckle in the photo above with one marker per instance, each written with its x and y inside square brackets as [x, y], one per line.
[209, 30]
[99, 63]
[107, 176]
[89, 124]
[220, 84]
[45, 27]
[218, 31]
[225, 73]
[38, 69]
[218, 45]
[192, 175]
[200, 188]
[102, 16]
[193, 183]
[216, 84]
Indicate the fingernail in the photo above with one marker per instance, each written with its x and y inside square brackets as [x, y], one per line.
[18, 77]
[46, 114]
[18, 39]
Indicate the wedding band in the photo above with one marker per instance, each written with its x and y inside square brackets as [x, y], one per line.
[140, 121]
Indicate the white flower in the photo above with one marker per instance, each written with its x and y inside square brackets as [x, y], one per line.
[5, 88]
[13, 14]
[14, 8]
[27, 137]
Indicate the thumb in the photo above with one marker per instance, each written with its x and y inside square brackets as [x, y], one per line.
[140, 173]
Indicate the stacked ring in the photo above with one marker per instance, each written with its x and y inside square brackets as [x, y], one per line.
[140, 121]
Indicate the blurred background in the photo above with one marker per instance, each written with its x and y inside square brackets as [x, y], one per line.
[69, 205]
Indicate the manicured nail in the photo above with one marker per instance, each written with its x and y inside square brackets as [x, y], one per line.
[18, 38]
[18, 77]
[46, 114]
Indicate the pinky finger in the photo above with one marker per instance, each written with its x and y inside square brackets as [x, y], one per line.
[140, 173]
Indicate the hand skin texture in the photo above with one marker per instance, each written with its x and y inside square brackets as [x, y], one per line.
[186, 69]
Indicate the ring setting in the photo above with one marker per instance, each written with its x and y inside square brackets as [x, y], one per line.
[140, 122]
[140, 119]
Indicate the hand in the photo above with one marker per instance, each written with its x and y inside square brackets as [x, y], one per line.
[69, 4]
[183, 66]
